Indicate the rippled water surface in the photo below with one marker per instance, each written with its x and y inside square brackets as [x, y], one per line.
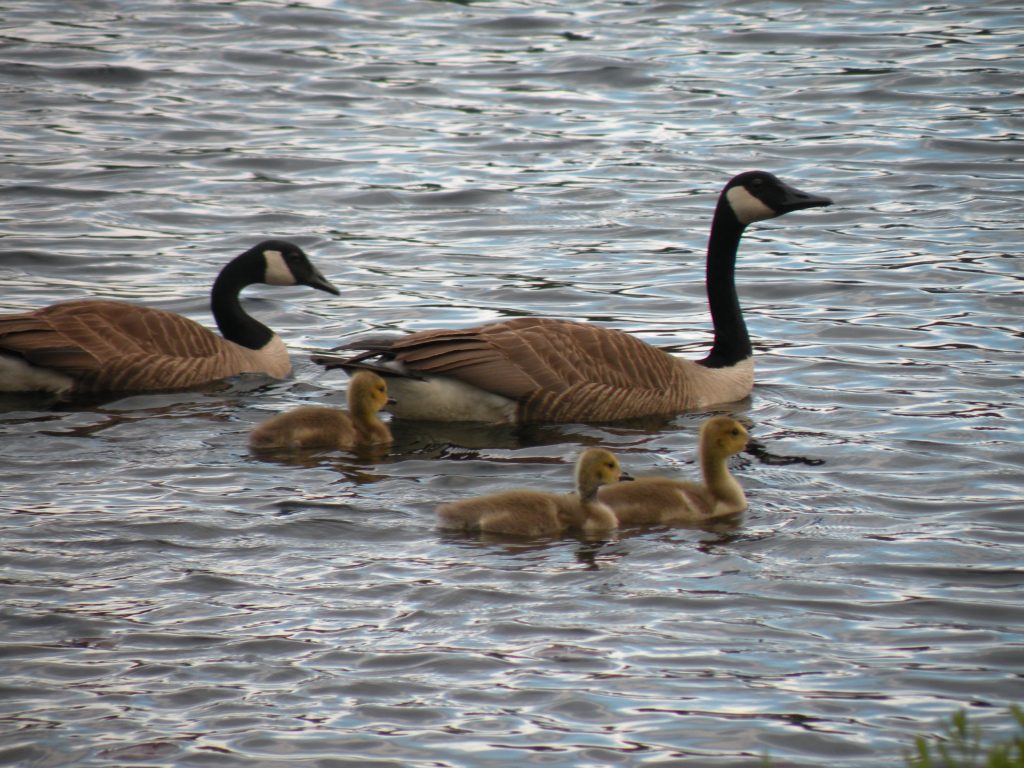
[171, 600]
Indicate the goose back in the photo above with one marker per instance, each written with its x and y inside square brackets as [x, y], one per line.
[116, 346]
[563, 371]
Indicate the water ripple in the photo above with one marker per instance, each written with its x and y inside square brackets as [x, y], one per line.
[172, 599]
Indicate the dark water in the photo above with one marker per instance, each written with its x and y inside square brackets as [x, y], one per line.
[170, 600]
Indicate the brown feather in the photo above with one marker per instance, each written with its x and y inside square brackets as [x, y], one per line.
[563, 371]
[111, 346]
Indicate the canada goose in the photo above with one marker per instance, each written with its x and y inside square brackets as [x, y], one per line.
[532, 369]
[663, 501]
[316, 426]
[92, 345]
[523, 512]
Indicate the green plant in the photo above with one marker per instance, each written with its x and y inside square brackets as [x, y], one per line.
[962, 747]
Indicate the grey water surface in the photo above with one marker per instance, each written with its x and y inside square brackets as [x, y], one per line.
[169, 599]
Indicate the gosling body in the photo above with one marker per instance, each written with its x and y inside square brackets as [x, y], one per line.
[532, 513]
[665, 501]
[312, 427]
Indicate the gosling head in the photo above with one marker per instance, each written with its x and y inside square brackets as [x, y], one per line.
[367, 392]
[594, 468]
[758, 195]
[724, 435]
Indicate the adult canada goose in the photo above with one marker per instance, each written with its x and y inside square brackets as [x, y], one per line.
[524, 512]
[663, 501]
[316, 426]
[92, 345]
[544, 370]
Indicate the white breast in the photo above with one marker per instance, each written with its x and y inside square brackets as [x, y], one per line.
[18, 376]
[440, 398]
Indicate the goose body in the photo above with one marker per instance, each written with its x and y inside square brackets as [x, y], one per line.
[664, 501]
[319, 427]
[531, 513]
[549, 370]
[93, 345]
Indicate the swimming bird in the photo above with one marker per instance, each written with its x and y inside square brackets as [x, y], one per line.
[532, 369]
[93, 345]
[525, 512]
[317, 426]
[664, 501]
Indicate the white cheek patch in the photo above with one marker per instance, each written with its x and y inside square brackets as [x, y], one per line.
[277, 270]
[748, 208]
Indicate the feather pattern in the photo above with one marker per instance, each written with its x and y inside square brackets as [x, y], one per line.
[116, 346]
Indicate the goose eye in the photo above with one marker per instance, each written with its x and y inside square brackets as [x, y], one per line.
[757, 181]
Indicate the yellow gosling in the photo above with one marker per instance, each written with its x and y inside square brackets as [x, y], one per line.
[524, 512]
[320, 427]
[663, 501]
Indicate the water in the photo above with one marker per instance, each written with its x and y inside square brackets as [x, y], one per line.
[171, 600]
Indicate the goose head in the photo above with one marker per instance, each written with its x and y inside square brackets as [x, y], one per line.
[284, 263]
[758, 195]
[723, 435]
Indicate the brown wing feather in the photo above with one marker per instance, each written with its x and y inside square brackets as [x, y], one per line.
[557, 370]
[111, 346]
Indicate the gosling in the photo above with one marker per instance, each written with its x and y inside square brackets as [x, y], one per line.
[312, 427]
[529, 513]
[663, 501]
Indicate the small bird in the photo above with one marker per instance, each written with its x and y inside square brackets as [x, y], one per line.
[663, 501]
[530, 513]
[319, 427]
[93, 345]
[534, 369]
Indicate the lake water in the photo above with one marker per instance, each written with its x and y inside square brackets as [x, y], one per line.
[169, 599]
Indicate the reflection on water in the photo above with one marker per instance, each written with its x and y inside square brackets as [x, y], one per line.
[170, 596]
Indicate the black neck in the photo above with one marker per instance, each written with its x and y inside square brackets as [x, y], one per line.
[732, 342]
[235, 325]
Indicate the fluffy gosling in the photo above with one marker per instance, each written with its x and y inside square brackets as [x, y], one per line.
[663, 501]
[529, 513]
[319, 427]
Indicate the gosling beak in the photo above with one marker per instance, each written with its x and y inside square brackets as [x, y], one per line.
[625, 476]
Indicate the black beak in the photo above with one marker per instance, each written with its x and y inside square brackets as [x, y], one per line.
[793, 199]
[321, 283]
[625, 476]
